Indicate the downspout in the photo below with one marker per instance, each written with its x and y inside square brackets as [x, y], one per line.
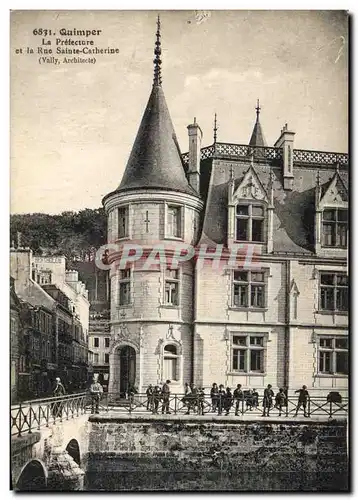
[287, 326]
[195, 305]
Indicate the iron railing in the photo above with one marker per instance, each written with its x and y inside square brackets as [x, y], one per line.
[35, 414]
[205, 405]
[300, 156]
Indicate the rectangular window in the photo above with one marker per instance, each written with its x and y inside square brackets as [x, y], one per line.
[95, 342]
[249, 289]
[125, 287]
[174, 221]
[333, 292]
[106, 358]
[250, 223]
[106, 342]
[122, 222]
[172, 287]
[248, 353]
[333, 355]
[335, 227]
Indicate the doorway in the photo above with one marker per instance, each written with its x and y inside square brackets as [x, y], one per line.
[127, 369]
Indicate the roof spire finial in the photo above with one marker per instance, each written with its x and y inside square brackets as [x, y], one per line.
[258, 109]
[157, 61]
[215, 129]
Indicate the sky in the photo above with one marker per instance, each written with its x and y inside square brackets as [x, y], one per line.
[72, 126]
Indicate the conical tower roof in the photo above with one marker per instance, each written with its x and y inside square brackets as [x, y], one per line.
[155, 160]
[257, 137]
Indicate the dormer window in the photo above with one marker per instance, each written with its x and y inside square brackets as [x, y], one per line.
[250, 222]
[334, 227]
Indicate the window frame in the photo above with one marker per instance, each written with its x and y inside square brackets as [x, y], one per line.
[247, 348]
[180, 221]
[249, 218]
[335, 287]
[126, 222]
[171, 280]
[94, 342]
[335, 223]
[250, 284]
[125, 280]
[332, 350]
[176, 357]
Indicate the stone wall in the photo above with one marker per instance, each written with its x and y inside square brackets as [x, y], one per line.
[208, 454]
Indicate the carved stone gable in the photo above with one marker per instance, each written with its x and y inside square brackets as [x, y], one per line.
[250, 187]
[336, 193]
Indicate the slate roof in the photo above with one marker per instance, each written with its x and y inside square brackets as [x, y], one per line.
[155, 161]
[293, 222]
[257, 137]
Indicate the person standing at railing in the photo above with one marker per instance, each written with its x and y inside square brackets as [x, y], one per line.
[238, 397]
[96, 391]
[255, 398]
[156, 398]
[214, 394]
[280, 401]
[58, 391]
[201, 400]
[228, 401]
[165, 397]
[149, 393]
[221, 395]
[267, 400]
[303, 397]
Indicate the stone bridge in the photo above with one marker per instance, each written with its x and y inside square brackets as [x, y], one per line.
[126, 448]
[49, 444]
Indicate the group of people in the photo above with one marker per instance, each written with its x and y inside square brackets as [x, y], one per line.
[222, 399]
[96, 391]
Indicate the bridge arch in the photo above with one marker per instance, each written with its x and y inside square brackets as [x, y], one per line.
[33, 476]
[73, 449]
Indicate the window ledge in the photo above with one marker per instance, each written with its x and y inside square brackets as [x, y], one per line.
[332, 247]
[331, 375]
[249, 309]
[125, 306]
[250, 242]
[124, 238]
[251, 374]
[169, 306]
[174, 238]
[330, 313]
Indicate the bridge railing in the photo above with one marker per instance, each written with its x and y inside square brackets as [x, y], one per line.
[35, 414]
[200, 405]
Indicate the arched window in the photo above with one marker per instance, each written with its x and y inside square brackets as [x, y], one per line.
[170, 363]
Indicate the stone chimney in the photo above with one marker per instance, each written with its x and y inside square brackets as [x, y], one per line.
[285, 141]
[195, 137]
[21, 268]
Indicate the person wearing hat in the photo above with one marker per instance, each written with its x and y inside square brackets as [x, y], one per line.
[303, 397]
[96, 391]
[165, 397]
[156, 398]
[58, 391]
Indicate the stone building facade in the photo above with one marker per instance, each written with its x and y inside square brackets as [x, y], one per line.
[55, 323]
[276, 313]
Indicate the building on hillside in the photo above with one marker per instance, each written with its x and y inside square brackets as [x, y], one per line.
[16, 341]
[97, 284]
[55, 339]
[283, 318]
